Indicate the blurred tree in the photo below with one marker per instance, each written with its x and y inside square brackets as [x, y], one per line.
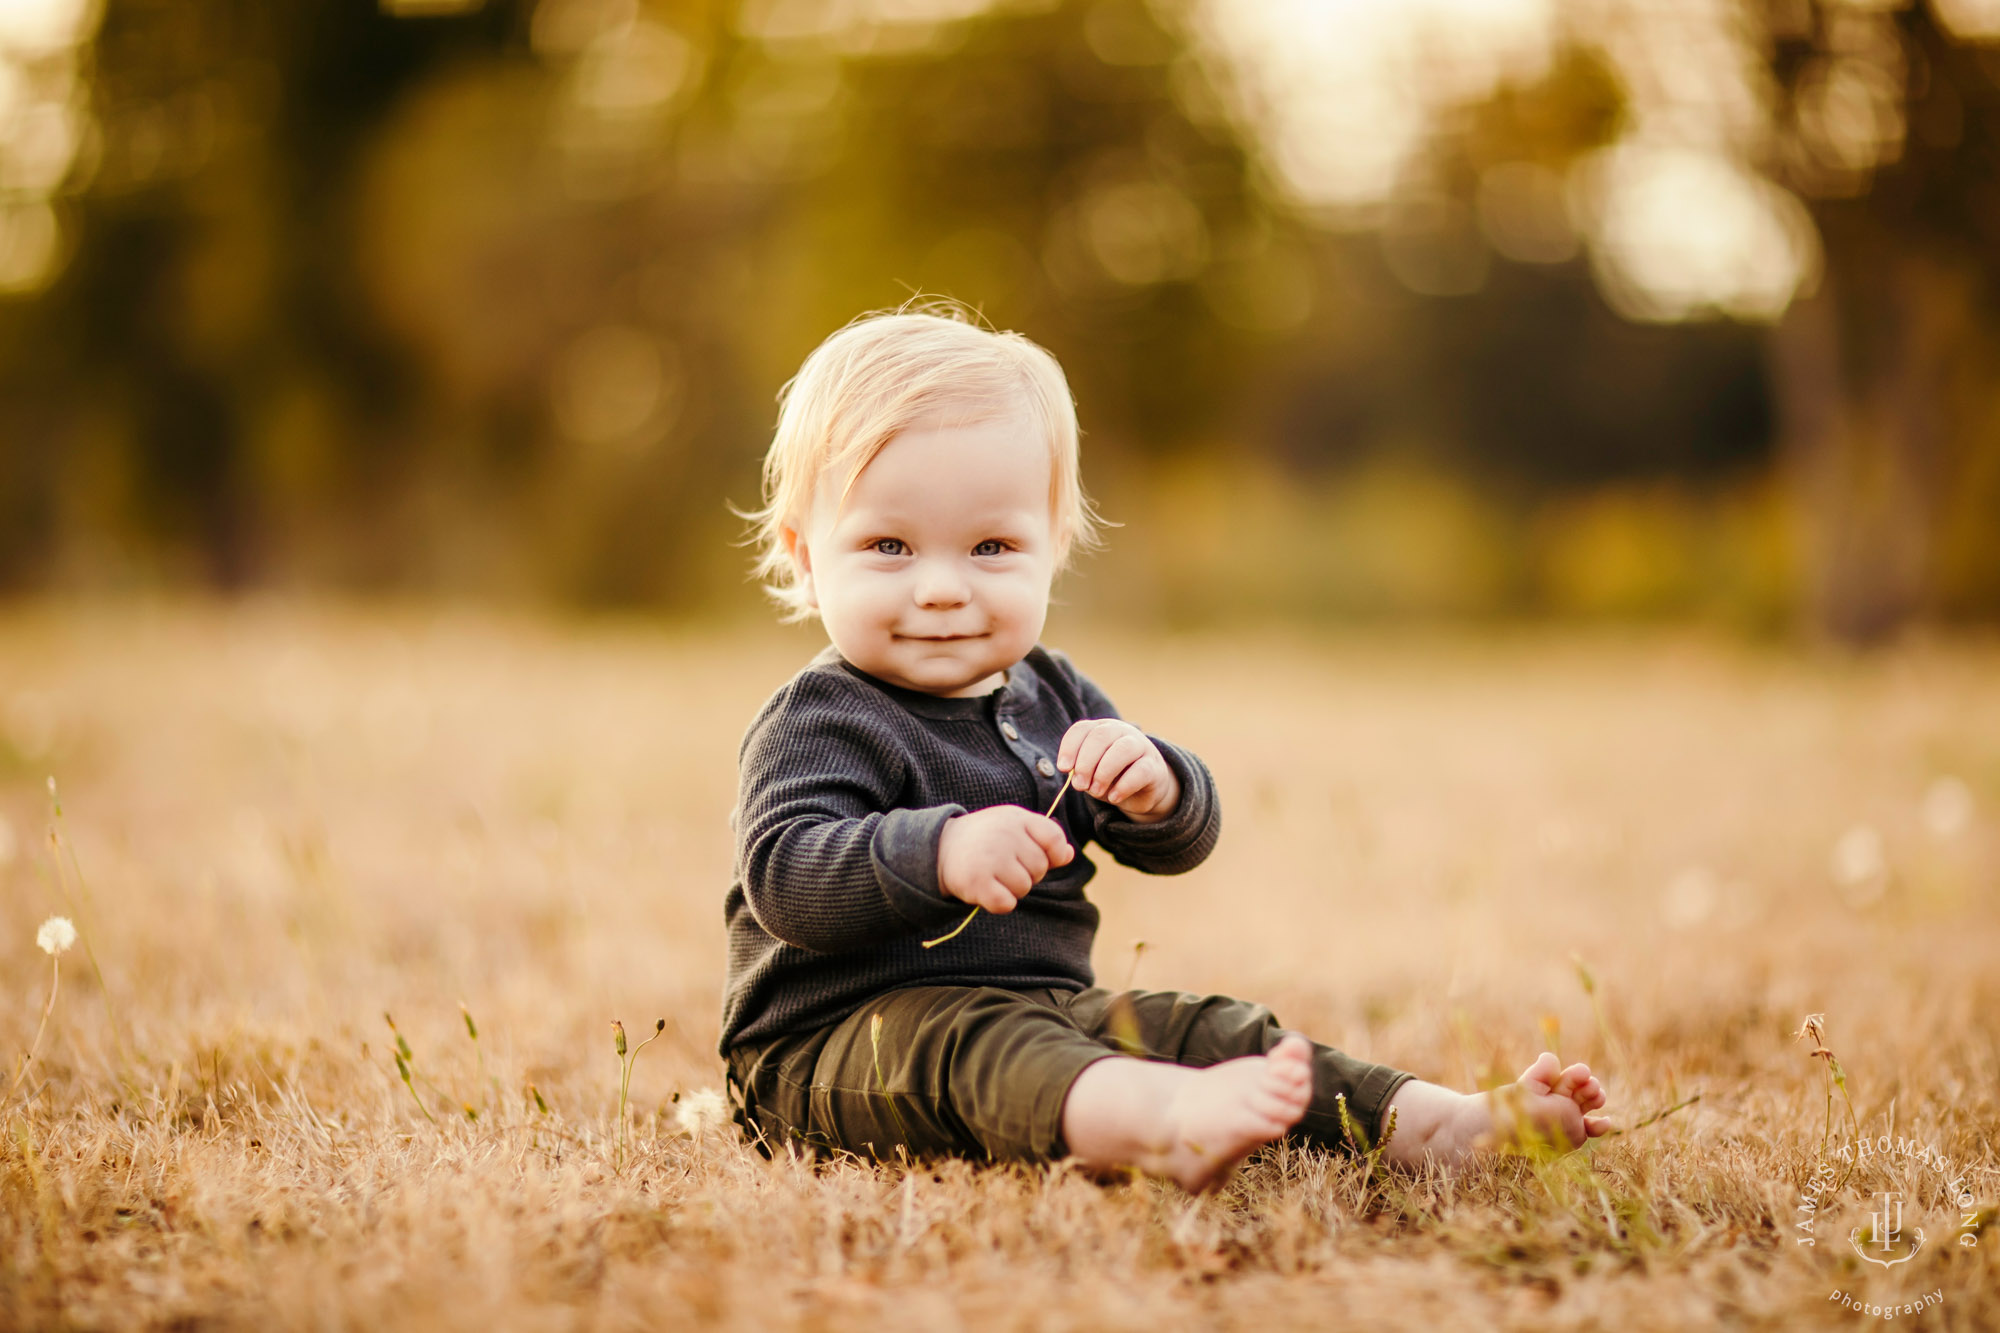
[210, 277]
[1890, 125]
[1042, 163]
[496, 299]
[1504, 357]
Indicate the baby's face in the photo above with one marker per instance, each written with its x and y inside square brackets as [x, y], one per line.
[934, 575]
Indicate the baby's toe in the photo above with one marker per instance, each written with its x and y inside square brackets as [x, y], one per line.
[1570, 1126]
[1285, 1094]
[1571, 1081]
[1289, 1060]
[1292, 1048]
[1541, 1075]
[1274, 1112]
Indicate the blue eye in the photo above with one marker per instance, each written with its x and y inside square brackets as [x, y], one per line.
[990, 547]
[888, 545]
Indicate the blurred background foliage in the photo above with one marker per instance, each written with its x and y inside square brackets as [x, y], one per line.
[1372, 307]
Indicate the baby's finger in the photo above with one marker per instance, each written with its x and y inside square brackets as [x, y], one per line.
[1591, 1095]
[1090, 757]
[1594, 1125]
[1136, 769]
[1072, 740]
[1571, 1080]
[995, 898]
[1048, 836]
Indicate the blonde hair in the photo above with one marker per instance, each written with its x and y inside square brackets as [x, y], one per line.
[889, 371]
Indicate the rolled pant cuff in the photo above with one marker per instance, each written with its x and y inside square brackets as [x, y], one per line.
[1370, 1103]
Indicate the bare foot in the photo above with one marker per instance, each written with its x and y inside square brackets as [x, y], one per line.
[1189, 1125]
[1217, 1117]
[1548, 1106]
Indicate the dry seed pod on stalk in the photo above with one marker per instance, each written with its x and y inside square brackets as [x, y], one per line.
[626, 1059]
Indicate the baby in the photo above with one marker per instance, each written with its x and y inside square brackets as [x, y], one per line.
[909, 940]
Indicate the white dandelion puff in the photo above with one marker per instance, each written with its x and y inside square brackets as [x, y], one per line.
[56, 935]
[699, 1112]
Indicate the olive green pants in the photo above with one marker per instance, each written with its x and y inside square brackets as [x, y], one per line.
[976, 1071]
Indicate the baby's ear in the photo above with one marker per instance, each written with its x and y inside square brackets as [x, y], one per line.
[801, 554]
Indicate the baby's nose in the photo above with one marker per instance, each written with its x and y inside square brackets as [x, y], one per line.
[941, 585]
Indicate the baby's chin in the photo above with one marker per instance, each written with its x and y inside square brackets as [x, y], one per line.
[944, 673]
[950, 684]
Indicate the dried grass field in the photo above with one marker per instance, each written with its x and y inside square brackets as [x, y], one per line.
[289, 821]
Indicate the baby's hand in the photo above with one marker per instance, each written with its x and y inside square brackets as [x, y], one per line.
[1117, 763]
[991, 858]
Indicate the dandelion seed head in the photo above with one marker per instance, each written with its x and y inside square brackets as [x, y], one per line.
[56, 935]
[700, 1112]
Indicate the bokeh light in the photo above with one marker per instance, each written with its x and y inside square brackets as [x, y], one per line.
[44, 129]
[1346, 98]
[1975, 20]
[1344, 94]
[1678, 233]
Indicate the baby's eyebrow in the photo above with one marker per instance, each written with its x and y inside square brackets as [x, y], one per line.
[879, 520]
[1005, 522]
[1010, 525]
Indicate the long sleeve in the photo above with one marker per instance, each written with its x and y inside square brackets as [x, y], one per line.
[828, 863]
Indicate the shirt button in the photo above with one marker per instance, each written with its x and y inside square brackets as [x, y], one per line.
[1010, 731]
[1044, 767]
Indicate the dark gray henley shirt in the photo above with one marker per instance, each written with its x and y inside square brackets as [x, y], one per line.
[845, 784]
